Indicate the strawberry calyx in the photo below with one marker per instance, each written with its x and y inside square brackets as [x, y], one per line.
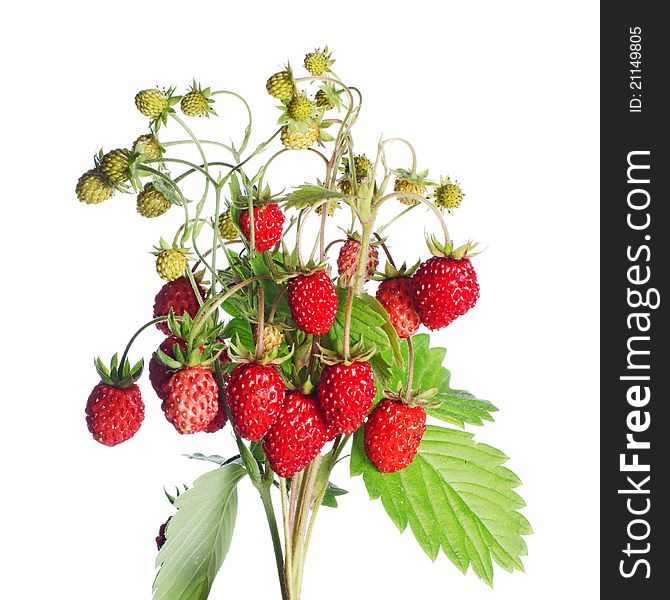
[357, 353]
[238, 353]
[202, 351]
[413, 176]
[391, 271]
[415, 397]
[119, 375]
[447, 249]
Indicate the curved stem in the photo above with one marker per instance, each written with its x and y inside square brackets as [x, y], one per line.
[288, 550]
[410, 368]
[247, 130]
[261, 322]
[411, 149]
[275, 304]
[347, 323]
[124, 356]
[385, 249]
[421, 199]
[208, 309]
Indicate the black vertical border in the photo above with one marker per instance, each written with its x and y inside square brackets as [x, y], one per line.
[622, 132]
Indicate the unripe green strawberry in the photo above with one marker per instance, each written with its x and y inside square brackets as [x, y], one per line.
[226, 228]
[151, 103]
[332, 205]
[318, 62]
[300, 108]
[114, 166]
[363, 167]
[344, 185]
[93, 188]
[272, 338]
[404, 185]
[194, 104]
[171, 264]
[152, 203]
[321, 100]
[296, 140]
[148, 145]
[281, 85]
[448, 195]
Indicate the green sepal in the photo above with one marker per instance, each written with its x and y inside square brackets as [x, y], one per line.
[120, 376]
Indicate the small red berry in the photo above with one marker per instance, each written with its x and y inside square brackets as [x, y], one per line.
[393, 433]
[159, 374]
[313, 302]
[179, 296]
[255, 394]
[192, 399]
[161, 538]
[114, 414]
[444, 288]
[268, 226]
[346, 393]
[297, 435]
[396, 295]
[347, 261]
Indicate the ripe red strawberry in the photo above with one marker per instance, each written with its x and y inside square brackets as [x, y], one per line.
[345, 395]
[159, 374]
[313, 302]
[297, 435]
[444, 288]
[114, 414]
[347, 260]
[396, 295]
[255, 395]
[192, 400]
[177, 295]
[268, 226]
[219, 421]
[393, 433]
[160, 538]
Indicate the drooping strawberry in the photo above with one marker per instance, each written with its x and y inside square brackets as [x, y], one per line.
[179, 296]
[346, 392]
[255, 394]
[161, 538]
[115, 411]
[268, 226]
[313, 302]
[393, 433]
[159, 373]
[347, 261]
[396, 295]
[191, 402]
[445, 287]
[297, 435]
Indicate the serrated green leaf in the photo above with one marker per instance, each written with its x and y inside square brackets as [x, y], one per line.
[456, 407]
[308, 194]
[198, 536]
[456, 497]
[331, 494]
[240, 328]
[366, 325]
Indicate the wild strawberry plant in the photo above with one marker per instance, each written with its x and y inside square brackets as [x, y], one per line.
[302, 361]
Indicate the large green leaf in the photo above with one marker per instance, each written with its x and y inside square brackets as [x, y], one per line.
[198, 536]
[240, 327]
[371, 326]
[455, 496]
[456, 407]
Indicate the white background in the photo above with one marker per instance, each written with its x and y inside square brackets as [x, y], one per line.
[501, 96]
